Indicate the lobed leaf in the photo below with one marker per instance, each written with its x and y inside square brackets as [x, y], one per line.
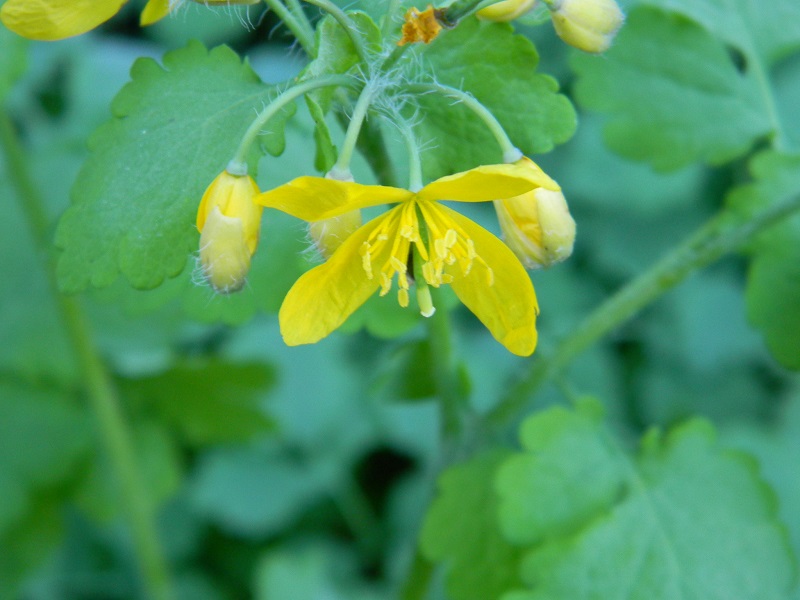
[174, 129]
[673, 92]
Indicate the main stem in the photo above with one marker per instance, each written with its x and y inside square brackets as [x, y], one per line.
[723, 234]
[300, 29]
[115, 434]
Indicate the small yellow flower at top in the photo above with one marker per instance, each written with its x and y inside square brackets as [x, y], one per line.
[420, 237]
[537, 227]
[420, 26]
[506, 10]
[229, 222]
[588, 25]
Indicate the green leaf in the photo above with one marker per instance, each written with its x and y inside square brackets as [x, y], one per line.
[134, 203]
[673, 93]
[336, 53]
[681, 519]
[27, 417]
[13, 60]
[326, 150]
[773, 281]
[209, 403]
[499, 69]
[757, 29]
[461, 528]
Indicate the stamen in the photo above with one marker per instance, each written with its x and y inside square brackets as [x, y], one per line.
[402, 297]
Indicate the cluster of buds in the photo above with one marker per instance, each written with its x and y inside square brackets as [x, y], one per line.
[589, 25]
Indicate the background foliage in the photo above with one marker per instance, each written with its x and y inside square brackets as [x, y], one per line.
[661, 463]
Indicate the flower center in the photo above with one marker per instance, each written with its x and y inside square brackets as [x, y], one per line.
[447, 245]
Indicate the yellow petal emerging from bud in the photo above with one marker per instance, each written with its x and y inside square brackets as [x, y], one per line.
[537, 227]
[589, 25]
[507, 10]
[229, 222]
[329, 234]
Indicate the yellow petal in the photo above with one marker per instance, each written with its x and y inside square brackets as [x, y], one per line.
[317, 198]
[489, 182]
[56, 19]
[154, 11]
[323, 298]
[508, 306]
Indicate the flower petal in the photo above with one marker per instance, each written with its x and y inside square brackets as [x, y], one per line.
[489, 182]
[508, 307]
[154, 11]
[323, 298]
[49, 20]
[317, 198]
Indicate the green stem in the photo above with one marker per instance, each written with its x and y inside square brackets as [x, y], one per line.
[418, 579]
[347, 24]
[721, 235]
[386, 26]
[414, 159]
[302, 31]
[342, 167]
[105, 402]
[238, 165]
[458, 10]
[302, 19]
[510, 152]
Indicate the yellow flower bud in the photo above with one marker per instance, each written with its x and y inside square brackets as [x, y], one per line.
[229, 222]
[589, 25]
[507, 10]
[537, 227]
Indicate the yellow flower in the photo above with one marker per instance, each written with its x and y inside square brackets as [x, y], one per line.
[49, 20]
[229, 222]
[507, 10]
[447, 248]
[537, 227]
[588, 25]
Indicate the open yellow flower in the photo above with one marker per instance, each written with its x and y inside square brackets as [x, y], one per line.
[450, 248]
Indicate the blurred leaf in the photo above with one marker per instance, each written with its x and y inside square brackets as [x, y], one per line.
[159, 462]
[499, 69]
[760, 31]
[253, 494]
[773, 283]
[27, 417]
[13, 60]
[461, 528]
[135, 199]
[674, 93]
[682, 519]
[208, 403]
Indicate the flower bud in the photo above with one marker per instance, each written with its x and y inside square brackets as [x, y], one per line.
[507, 10]
[589, 25]
[537, 227]
[229, 222]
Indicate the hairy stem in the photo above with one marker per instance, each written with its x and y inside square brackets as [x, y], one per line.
[723, 234]
[347, 24]
[304, 35]
[114, 431]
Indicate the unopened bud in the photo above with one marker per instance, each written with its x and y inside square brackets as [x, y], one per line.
[229, 223]
[329, 234]
[589, 25]
[537, 227]
[507, 10]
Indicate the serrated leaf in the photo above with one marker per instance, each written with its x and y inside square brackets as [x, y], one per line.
[499, 69]
[209, 403]
[773, 282]
[683, 519]
[461, 528]
[174, 129]
[673, 92]
[752, 26]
